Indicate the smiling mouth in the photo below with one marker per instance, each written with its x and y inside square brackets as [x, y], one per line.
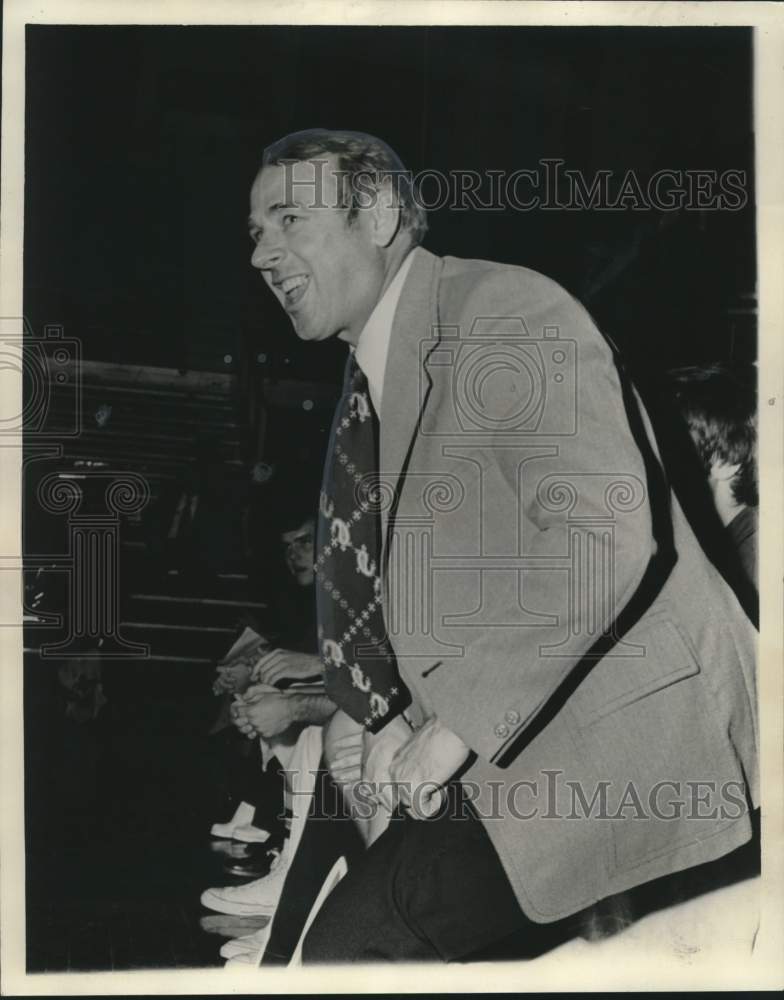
[293, 289]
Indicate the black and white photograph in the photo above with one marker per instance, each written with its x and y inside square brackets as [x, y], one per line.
[391, 459]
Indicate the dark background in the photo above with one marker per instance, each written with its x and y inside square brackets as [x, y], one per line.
[142, 143]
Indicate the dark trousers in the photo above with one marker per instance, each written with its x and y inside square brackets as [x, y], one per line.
[329, 833]
[428, 890]
[435, 890]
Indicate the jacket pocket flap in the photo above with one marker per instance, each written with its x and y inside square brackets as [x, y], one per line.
[652, 655]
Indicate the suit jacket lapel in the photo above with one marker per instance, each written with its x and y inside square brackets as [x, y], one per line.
[406, 381]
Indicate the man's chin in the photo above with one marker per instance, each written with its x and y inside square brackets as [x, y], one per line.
[302, 328]
[308, 331]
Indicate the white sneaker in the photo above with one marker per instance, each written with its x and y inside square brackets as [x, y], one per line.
[223, 830]
[258, 898]
[247, 833]
[245, 959]
[250, 834]
[245, 945]
[243, 815]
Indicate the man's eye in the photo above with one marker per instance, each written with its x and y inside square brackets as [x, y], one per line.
[288, 219]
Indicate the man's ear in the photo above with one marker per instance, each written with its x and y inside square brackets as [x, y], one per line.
[385, 214]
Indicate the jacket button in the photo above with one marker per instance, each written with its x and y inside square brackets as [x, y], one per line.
[513, 718]
[501, 730]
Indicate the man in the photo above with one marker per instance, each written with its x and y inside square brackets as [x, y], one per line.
[571, 659]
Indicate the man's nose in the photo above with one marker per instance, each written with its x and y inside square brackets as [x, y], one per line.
[267, 253]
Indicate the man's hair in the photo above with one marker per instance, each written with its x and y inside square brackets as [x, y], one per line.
[719, 404]
[290, 504]
[294, 523]
[363, 161]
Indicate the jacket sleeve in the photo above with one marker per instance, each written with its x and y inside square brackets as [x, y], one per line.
[566, 467]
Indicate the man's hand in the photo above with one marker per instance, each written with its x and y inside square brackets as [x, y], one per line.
[380, 749]
[345, 759]
[232, 677]
[262, 711]
[285, 664]
[424, 764]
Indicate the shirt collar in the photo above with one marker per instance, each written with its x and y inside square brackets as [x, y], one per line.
[373, 343]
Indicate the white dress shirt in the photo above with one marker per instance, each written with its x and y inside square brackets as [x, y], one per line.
[373, 343]
[371, 356]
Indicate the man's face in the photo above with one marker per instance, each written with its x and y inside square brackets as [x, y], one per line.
[326, 274]
[299, 552]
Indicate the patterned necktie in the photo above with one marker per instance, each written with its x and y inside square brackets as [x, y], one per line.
[361, 674]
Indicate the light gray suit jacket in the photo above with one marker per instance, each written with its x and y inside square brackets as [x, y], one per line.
[547, 599]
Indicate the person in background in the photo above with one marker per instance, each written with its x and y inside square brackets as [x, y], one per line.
[275, 698]
[256, 792]
[719, 404]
